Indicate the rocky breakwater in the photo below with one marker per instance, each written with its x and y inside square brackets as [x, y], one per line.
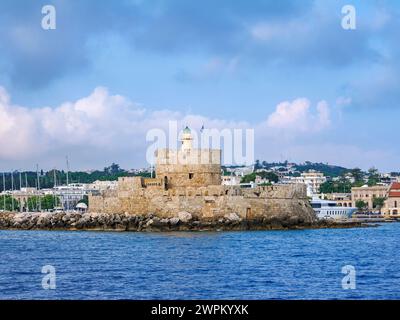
[183, 221]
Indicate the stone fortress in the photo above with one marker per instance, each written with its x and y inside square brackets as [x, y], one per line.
[188, 187]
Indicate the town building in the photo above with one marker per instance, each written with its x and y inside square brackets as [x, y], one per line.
[392, 203]
[102, 185]
[367, 194]
[312, 179]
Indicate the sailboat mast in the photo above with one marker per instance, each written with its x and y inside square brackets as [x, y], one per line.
[4, 190]
[55, 185]
[38, 187]
[12, 190]
[66, 158]
[20, 189]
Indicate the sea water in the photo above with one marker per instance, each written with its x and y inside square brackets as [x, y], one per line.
[304, 264]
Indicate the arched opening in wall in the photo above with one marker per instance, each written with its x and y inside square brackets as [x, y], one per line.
[166, 183]
[191, 175]
[226, 192]
[395, 212]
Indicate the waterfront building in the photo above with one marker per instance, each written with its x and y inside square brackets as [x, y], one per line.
[392, 203]
[70, 195]
[367, 194]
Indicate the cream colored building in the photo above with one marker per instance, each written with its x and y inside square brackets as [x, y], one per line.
[367, 194]
[392, 203]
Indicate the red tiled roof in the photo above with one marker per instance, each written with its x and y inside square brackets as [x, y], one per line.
[394, 190]
[395, 185]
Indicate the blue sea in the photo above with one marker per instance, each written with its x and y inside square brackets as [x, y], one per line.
[305, 264]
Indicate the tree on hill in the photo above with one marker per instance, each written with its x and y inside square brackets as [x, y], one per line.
[373, 177]
[248, 178]
[257, 165]
[272, 177]
[357, 174]
[336, 187]
[113, 169]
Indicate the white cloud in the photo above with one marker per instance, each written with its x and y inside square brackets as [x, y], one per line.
[298, 116]
[102, 128]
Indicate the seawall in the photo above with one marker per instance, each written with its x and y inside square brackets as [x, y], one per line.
[151, 223]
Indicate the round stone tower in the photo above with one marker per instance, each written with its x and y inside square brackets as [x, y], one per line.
[188, 167]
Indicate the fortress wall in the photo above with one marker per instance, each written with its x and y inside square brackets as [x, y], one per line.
[204, 201]
[204, 207]
[130, 183]
[202, 196]
[185, 168]
[288, 191]
[185, 157]
[104, 204]
[190, 175]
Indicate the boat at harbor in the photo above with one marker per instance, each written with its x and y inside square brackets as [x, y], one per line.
[328, 209]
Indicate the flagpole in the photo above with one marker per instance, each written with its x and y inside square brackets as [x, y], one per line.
[12, 191]
[38, 186]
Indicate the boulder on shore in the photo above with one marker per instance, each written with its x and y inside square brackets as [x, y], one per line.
[184, 221]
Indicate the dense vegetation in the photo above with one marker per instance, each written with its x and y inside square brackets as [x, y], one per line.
[272, 177]
[47, 202]
[326, 169]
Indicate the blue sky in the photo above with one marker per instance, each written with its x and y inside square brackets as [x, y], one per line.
[221, 63]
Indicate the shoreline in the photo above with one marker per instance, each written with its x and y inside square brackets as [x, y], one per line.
[150, 223]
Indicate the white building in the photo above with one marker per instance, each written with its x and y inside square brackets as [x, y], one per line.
[230, 180]
[241, 171]
[312, 179]
[102, 185]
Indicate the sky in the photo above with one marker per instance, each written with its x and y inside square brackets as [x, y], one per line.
[111, 71]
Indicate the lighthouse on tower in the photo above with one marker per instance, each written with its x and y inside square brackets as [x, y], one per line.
[187, 139]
